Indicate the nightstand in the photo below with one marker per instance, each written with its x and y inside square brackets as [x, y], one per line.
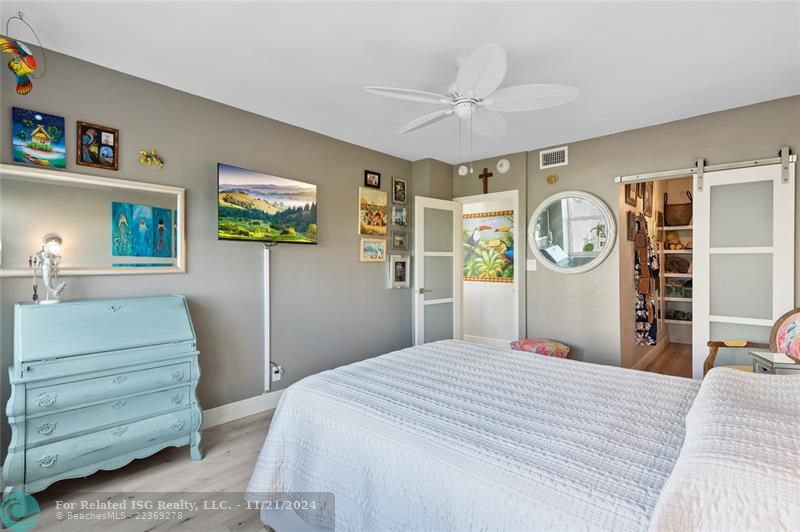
[775, 363]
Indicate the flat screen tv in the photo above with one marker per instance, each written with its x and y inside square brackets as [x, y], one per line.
[264, 208]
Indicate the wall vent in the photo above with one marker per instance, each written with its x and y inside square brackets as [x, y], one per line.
[554, 157]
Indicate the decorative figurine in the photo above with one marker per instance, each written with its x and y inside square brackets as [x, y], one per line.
[47, 261]
[22, 64]
[151, 158]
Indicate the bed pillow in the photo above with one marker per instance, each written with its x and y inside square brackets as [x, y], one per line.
[739, 467]
[541, 346]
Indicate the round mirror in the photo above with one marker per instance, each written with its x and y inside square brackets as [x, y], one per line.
[572, 232]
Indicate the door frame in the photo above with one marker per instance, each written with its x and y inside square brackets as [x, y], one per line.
[420, 204]
[782, 249]
[519, 253]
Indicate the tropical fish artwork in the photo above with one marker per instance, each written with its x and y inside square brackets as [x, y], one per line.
[22, 63]
[489, 247]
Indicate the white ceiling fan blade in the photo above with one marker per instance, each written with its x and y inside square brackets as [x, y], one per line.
[488, 123]
[410, 95]
[425, 120]
[482, 72]
[530, 97]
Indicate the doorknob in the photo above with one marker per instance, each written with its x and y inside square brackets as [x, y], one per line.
[423, 291]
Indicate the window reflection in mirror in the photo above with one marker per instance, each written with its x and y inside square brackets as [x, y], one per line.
[572, 231]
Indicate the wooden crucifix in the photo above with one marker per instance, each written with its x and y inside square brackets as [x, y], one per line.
[485, 177]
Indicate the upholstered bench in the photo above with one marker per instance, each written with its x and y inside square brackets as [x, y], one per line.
[541, 346]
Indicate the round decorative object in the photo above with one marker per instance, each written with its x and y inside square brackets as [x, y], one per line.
[572, 232]
[463, 170]
[552, 179]
[503, 166]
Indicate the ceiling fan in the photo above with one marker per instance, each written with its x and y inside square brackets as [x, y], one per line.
[474, 95]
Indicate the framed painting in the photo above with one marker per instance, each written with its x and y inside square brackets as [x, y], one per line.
[38, 139]
[260, 207]
[141, 230]
[372, 179]
[399, 271]
[631, 195]
[373, 212]
[399, 190]
[489, 247]
[631, 225]
[400, 240]
[399, 216]
[373, 250]
[648, 199]
[97, 146]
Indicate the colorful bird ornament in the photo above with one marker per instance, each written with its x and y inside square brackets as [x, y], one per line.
[22, 64]
[151, 158]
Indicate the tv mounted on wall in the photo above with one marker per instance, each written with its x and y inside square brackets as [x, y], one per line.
[264, 208]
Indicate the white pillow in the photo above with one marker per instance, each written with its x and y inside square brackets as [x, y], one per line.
[739, 467]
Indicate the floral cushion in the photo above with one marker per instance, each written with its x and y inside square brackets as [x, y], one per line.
[541, 346]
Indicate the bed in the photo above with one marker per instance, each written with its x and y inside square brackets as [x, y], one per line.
[459, 436]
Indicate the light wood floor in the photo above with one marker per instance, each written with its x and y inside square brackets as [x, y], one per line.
[230, 450]
[676, 360]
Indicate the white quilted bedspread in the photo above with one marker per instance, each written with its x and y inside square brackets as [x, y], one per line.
[457, 436]
[740, 466]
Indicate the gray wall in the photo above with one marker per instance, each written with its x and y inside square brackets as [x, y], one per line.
[311, 285]
[584, 310]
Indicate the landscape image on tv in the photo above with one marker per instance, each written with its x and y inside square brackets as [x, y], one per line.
[264, 208]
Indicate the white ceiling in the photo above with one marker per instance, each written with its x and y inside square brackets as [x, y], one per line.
[306, 63]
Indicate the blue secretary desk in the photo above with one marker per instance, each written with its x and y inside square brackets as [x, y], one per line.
[98, 383]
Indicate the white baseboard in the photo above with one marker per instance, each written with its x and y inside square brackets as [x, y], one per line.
[246, 407]
[488, 341]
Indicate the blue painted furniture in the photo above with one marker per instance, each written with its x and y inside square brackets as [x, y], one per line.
[96, 384]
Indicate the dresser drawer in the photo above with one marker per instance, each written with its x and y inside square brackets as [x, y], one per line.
[48, 427]
[61, 396]
[101, 447]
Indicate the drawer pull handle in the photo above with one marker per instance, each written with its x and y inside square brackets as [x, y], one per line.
[46, 428]
[119, 431]
[114, 308]
[176, 375]
[177, 398]
[45, 399]
[119, 404]
[178, 425]
[48, 460]
[119, 379]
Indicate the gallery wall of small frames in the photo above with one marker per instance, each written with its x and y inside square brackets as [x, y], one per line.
[383, 226]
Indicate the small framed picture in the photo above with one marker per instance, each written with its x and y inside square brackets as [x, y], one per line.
[640, 190]
[631, 194]
[97, 146]
[399, 216]
[399, 190]
[373, 250]
[631, 222]
[400, 240]
[648, 199]
[372, 179]
[399, 271]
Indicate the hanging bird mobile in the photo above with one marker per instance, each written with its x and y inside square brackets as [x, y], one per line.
[151, 158]
[22, 64]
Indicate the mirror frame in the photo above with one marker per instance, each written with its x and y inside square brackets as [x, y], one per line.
[37, 174]
[604, 210]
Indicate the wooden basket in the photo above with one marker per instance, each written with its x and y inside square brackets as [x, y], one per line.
[678, 214]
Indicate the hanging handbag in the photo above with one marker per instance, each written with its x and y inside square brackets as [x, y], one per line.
[679, 213]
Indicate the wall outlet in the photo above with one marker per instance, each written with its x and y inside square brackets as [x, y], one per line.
[277, 372]
[531, 265]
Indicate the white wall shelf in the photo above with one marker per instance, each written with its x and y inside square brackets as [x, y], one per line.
[678, 322]
[677, 252]
[676, 228]
[678, 275]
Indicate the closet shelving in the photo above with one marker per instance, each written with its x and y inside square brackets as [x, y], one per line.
[664, 299]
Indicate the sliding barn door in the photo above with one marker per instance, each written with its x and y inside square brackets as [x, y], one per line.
[438, 261]
[744, 231]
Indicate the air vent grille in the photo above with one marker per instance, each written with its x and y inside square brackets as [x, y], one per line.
[554, 157]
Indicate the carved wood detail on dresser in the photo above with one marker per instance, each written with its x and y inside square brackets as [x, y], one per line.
[98, 383]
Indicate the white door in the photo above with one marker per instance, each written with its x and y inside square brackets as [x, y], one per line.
[744, 227]
[437, 269]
